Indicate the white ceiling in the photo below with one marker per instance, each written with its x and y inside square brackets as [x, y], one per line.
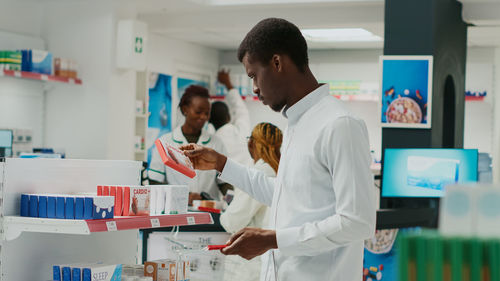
[223, 27]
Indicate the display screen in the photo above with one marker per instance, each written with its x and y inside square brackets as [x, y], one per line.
[423, 172]
[6, 138]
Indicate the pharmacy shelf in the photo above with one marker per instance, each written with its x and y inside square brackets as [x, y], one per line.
[243, 97]
[15, 225]
[474, 98]
[39, 77]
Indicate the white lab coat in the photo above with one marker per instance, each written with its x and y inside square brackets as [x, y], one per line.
[323, 198]
[203, 181]
[234, 133]
[244, 211]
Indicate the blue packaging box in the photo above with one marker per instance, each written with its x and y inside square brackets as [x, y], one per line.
[76, 273]
[88, 207]
[25, 205]
[56, 273]
[103, 207]
[41, 61]
[51, 207]
[42, 206]
[66, 273]
[60, 202]
[69, 212]
[33, 206]
[79, 207]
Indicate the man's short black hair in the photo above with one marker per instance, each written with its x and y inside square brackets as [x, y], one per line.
[219, 115]
[275, 36]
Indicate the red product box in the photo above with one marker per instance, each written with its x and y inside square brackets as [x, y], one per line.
[126, 200]
[175, 159]
[105, 191]
[118, 201]
[99, 190]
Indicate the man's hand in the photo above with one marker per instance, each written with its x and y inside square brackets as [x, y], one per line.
[223, 78]
[251, 242]
[204, 158]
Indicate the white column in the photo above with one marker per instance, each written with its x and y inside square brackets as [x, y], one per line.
[496, 114]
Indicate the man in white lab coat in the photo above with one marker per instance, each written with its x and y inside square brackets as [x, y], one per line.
[323, 199]
[232, 122]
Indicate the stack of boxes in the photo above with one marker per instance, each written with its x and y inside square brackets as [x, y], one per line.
[147, 200]
[167, 270]
[38, 61]
[59, 206]
[432, 257]
[87, 272]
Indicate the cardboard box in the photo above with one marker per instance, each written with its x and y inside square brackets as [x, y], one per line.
[176, 199]
[100, 272]
[175, 159]
[139, 201]
[103, 207]
[160, 270]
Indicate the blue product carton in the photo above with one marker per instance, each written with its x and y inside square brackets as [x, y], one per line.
[26, 60]
[25, 205]
[103, 207]
[60, 202]
[33, 206]
[41, 61]
[88, 206]
[66, 273]
[42, 206]
[76, 274]
[51, 207]
[69, 211]
[79, 207]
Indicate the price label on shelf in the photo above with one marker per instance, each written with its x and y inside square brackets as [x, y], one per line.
[17, 74]
[155, 222]
[190, 220]
[44, 77]
[111, 225]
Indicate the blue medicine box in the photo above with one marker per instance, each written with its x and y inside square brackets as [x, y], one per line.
[69, 212]
[79, 207]
[60, 202]
[33, 206]
[25, 205]
[42, 206]
[51, 207]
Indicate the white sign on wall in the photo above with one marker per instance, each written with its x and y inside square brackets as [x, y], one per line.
[131, 45]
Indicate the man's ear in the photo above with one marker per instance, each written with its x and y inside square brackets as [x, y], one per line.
[277, 63]
[183, 110]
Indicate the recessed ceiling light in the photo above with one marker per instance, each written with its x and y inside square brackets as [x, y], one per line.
[340, 35]
[264, 2]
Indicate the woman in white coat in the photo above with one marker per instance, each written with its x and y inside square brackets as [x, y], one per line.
[264, 146]
[195, 106]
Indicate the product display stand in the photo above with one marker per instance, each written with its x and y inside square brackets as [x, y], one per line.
[42, 243]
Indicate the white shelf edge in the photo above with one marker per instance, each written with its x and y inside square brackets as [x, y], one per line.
[14, 226]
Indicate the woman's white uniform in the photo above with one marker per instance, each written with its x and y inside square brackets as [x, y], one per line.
[244, 211]
[203, 181]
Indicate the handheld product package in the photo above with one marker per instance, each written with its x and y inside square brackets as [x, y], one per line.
[175, 159]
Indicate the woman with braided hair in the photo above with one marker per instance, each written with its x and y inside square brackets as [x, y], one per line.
[264, 146]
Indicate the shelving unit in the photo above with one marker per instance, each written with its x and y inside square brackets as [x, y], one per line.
[57, 241]
[141, 120]
[39, 77]
[15, 225]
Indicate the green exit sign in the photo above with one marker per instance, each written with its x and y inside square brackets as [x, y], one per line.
[138, 45]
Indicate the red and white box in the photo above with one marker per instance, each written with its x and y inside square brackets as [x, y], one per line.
[140, 198]
[175, 158]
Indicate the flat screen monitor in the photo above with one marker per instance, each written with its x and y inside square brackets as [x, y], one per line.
[5, 143]
[422, 172]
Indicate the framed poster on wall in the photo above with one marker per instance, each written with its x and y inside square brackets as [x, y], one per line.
[406, 91]
[160, 109]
